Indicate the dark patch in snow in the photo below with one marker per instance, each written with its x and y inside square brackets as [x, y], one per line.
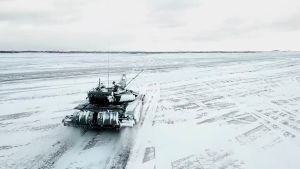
[5, 147]
[46, 127]
[5, 124]
[149, 154]
[17, 115]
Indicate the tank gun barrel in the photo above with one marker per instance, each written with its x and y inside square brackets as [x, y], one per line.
[134, 78]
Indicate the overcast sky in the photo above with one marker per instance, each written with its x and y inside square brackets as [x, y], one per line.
[152, 25]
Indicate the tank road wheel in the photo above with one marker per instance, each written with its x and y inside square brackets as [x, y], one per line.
[117, 128]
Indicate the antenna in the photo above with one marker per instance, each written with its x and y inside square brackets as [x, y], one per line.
[134, 78]
[107, 71]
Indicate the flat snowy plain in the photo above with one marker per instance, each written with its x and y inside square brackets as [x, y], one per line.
[202, 110]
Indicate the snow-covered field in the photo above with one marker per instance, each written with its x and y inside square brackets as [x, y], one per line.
[205, 110]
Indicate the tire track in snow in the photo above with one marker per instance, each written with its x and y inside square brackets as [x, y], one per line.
[140, 147]
[120, 159]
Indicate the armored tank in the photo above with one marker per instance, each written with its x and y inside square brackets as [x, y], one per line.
[108, 107]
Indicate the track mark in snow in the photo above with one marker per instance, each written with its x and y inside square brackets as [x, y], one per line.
[46, 127]
[52, 158]
[119, 160]
[208, 160]
[141, 152]
[17, 115]
[191, 161]
[47, 161]
[253, 134]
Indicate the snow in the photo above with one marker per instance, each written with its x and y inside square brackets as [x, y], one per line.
[202, 110]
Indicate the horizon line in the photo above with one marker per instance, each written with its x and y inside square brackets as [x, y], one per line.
[136, 52]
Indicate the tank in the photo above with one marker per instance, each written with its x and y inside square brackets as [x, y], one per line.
[108, 107]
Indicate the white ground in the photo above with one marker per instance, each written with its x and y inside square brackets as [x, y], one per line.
[203, 111]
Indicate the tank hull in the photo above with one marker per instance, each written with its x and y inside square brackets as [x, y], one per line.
[95, 116]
